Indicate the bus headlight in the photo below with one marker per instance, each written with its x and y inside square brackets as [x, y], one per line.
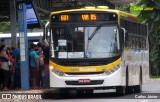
[108, 72]
[57, 72]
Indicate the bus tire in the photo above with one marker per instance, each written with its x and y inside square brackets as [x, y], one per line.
[138, 88]
[121, 90]
[129, 89]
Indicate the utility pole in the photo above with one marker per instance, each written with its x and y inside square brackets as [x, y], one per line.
[13, 23]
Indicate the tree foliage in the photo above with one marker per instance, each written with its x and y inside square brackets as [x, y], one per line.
[148, 11]
[134, 9]
[124, 7]
[152, 18]
[4, 26]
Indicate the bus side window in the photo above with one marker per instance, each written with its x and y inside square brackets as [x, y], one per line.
[121, 35]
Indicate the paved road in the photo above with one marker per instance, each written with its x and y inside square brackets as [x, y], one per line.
[152, 86]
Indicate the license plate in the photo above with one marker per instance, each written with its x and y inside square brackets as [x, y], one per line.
[84, 81]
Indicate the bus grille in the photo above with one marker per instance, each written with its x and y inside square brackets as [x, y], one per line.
[82, 63]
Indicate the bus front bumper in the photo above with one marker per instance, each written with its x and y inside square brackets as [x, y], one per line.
[89, 81]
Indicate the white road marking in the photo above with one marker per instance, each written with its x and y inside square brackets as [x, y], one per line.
[145, 101]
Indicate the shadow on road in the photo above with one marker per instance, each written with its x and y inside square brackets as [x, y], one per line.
[73, 95]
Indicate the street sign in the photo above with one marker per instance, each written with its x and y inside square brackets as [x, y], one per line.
[22, 25]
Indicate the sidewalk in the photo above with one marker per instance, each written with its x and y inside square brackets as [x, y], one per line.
[37, 94]
[154, 79]
[30, 91]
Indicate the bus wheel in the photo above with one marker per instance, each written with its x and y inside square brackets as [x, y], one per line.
[129, 89]
[121, 90]
[138, 88]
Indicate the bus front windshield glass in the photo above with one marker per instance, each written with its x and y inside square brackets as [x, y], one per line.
[86, 42]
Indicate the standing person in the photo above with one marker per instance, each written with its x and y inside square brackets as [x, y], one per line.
[16, 57]
[41, 64]
[33, 65]
[11, 67]
[46, 65]
[39, 49]
[8, 52]
[1, 74]
[3, 42]
[5, 68]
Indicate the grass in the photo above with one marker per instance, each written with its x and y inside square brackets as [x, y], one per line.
[155, 76]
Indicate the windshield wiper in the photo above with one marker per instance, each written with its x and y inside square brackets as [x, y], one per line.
[95, 31]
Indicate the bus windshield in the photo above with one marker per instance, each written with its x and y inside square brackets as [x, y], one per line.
[86, 41]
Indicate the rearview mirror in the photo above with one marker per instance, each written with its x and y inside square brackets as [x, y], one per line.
[125, 34]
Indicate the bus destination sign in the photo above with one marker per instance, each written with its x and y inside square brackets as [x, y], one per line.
[78, 17]
[83, 17]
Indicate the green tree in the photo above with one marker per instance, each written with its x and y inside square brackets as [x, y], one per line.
[150, 14]
[4, 26]
[134, 9]
[124, 7]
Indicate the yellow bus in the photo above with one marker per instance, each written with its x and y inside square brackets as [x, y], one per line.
[97, 48]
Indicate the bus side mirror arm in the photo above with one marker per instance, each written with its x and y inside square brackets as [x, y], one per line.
[125, 34]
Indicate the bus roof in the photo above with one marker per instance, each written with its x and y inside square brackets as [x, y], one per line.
[120, 13]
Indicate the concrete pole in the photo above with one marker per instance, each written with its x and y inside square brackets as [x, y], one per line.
[13, 23]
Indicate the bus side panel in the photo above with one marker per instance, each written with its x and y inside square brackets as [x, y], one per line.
[136, 61]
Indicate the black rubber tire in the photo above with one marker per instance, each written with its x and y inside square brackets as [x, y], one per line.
[138, 88]
[129, 89]
[121, 90]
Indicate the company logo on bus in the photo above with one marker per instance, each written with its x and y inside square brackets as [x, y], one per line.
[87, 69]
